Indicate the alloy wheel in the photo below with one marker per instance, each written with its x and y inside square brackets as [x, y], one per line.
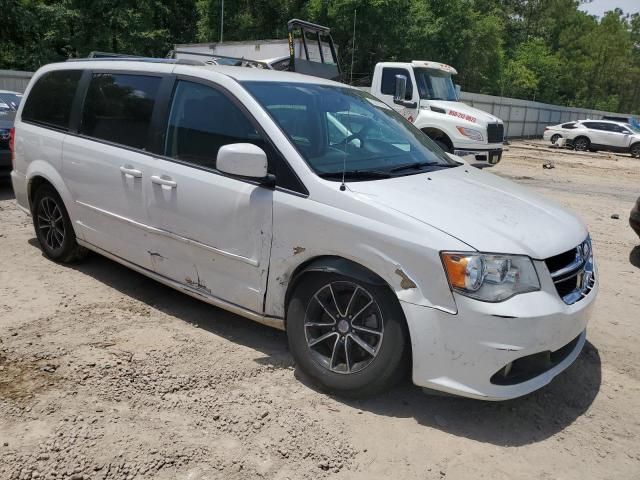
[50, 223]
[581, 144]
[343, 327]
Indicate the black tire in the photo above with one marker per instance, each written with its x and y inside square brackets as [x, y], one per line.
[554, 138]
[635, 150]
[53, 227]
[443, 146]
[581, 144]
[357, 373]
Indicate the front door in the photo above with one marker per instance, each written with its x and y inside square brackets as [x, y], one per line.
[388, 88]
[213, 232]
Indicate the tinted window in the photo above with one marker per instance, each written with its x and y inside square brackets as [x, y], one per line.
[118, 108]
[594, 125]
[389, 81]
[201, 121]
[50, 99]
[569, 125]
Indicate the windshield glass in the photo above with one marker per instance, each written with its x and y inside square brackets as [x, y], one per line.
[632, 128]
[435, 85]
[10, 101]
[337, 129]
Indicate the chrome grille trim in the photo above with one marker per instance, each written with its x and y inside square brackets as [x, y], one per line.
[576, 279]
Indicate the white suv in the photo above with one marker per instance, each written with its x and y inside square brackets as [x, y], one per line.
[254, 191]
[597, 135]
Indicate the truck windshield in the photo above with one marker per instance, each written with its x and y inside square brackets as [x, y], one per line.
[339, 129]
[435, 85]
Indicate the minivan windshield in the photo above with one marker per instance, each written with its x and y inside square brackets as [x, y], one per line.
[338, 130]
[435, 85]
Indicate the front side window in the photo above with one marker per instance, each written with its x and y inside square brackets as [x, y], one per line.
[202, 120]
[118, 108]
[388, 86]
[338, 130]
[50, 99]
[435, 85]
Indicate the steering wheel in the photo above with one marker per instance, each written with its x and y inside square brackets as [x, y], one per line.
[358, 135]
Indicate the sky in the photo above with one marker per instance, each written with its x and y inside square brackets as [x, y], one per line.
[598, 7]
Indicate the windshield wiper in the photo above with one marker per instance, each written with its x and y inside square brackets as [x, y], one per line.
[356, 174]
[413, 166]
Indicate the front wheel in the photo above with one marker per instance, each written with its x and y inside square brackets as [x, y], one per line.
[635, 150]
[348, 336]
[581, 144]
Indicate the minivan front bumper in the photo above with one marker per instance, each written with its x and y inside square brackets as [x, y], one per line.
[497, 351]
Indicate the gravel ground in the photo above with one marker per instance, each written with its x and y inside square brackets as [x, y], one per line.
[105, 374]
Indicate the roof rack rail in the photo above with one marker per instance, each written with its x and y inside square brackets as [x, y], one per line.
[108, 56]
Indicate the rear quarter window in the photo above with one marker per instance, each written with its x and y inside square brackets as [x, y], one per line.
[50, 99]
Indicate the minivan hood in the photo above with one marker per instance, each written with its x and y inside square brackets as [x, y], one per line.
[459, 108]
[488, 213]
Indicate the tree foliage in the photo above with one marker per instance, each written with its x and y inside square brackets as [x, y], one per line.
[546, 50]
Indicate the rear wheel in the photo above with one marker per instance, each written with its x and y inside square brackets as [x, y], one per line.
[581, 144]
[348, 336]
[555, 138]
[53, 227]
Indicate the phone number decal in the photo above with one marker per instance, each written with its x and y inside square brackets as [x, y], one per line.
[462, 115]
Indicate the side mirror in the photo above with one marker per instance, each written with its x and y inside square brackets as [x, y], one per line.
[458, 91]
[401, 89]
[243, 160]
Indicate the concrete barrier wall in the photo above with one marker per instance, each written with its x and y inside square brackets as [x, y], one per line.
[14, 80]
[524, 118]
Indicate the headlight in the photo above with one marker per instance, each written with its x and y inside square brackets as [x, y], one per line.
[489, 277]
[471, 133]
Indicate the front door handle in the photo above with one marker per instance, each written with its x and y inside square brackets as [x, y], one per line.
[130, 171]
[164, 181]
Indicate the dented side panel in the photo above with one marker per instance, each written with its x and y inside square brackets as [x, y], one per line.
[344, 225]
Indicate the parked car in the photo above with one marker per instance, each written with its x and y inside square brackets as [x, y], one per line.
[604, 135]
[253, 190]
[6, 124]
[553, 132]
[634, 217]
[9, 100]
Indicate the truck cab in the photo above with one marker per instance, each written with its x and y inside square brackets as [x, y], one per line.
[430, 100]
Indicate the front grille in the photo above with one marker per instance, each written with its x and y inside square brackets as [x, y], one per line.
[495, 133]
[572, 272]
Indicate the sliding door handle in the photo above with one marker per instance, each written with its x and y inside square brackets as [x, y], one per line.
[130, 171]
[164, 181]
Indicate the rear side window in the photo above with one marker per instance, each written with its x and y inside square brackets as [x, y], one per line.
[389, 81]
[49, 102]
[201, 121]
[569, 125]
[118, 108]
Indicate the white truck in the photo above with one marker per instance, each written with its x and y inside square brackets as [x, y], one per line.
[424, 93]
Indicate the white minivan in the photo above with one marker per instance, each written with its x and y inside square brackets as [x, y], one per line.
[312, 207]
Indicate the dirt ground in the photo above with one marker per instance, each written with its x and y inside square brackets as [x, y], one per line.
[105, 374]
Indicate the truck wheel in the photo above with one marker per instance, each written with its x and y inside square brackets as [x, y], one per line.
[443, 146]
[581, 144]
[53, 227]
[348, 336]
[555, 138]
